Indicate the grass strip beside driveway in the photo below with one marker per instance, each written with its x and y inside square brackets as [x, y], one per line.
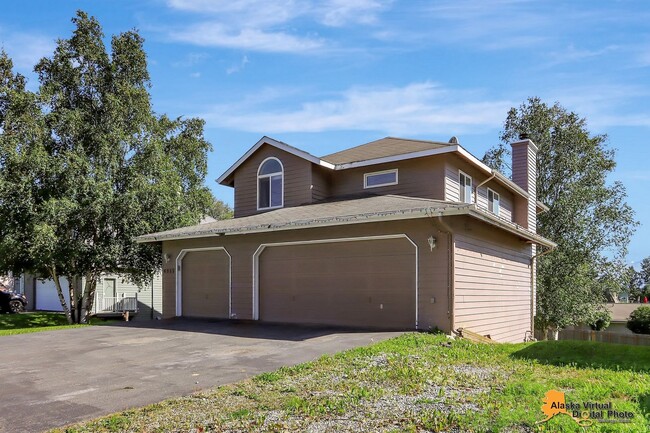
[11, 324]
[24, 323]
[413, 383]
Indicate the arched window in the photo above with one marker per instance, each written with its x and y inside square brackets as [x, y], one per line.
[270, 184]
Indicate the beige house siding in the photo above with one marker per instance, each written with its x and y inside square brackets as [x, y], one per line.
[297, 180]
[453, 167]
[420, 177]
[492, 285]
[320, 183]
[524, 175]
[433, 300]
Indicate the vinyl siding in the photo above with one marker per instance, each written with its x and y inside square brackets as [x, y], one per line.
[524, 174]
[492, 285]
[453, 165]
[420, 177]
[320, 183]
[297, 180]
[433, 298]
[147, 308]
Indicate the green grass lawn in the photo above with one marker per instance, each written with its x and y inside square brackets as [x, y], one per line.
[414, 383]
[23, 323]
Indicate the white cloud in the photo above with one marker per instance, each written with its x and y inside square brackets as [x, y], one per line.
[238, 67]
[191, 59]
[26, 49]
[216, 34]
[263, 25]
[413, 109]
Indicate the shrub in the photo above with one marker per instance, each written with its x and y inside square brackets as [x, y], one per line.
[600, 320]
[639, 321]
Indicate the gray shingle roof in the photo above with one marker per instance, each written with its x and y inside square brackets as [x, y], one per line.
[326, 213]
[340, 212]
[389, 146]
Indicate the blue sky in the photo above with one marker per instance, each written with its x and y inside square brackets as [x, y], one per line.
[326, 75]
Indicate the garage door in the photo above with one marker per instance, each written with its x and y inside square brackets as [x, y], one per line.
[206, 284]
[47, 298]
[360, 283]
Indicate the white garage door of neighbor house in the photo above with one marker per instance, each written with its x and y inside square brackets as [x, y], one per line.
[46, 297]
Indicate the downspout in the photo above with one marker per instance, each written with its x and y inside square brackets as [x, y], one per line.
[532, 284]
[451, 267]
[494, 173]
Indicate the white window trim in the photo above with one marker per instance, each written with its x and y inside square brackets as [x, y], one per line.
[494, 194]
[257, 198]
[262, 247]
[179, 277]
[471, 196]
[366, 175]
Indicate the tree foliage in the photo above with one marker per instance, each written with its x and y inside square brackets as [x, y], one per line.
[588, 217]
[86, 165]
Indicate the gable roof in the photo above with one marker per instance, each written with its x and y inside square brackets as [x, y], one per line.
[341, 212]
[389, 146]
[225, 177]
[388, 149]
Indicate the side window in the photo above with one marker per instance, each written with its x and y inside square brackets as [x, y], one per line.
[465, 188]
[493, 202]
[380, 178]
[270, 184]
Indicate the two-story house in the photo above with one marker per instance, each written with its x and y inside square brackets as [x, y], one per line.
[396, 233]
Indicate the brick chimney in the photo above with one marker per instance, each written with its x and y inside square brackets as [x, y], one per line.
[524, 174]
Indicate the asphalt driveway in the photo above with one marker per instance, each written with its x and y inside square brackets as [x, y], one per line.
[50, 379]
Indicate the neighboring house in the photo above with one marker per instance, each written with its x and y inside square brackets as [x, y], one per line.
[620, 313]
[112, 295]
[394, 234]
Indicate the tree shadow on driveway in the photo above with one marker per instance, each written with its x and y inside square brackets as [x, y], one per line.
[248, 329]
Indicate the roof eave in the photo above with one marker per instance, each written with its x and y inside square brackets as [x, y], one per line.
[519, 231]
[342, 220]
[224, 179]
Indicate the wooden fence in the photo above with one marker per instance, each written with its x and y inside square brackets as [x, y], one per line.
[602, 336]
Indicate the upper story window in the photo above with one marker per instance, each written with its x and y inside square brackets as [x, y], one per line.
[270, 184]
[494, 201]
[380, 178]
[465, 188]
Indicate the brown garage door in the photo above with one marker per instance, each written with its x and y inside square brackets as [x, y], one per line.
[360, 283]
[206, 281]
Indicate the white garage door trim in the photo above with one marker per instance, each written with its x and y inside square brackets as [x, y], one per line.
[179, 277]
[262, 247]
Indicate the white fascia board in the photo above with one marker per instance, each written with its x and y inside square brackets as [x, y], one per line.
[474, 160]
[289, 149]
[420, 213]
[490, 219]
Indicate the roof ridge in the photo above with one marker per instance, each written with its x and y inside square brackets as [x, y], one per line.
[422, 141]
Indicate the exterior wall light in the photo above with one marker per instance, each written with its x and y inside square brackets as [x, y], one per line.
[432, 242]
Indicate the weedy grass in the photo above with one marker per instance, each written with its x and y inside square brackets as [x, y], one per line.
[414, 383]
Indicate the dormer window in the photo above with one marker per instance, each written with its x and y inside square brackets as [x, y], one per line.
[270, 184]
[465, 188]
[380, 178]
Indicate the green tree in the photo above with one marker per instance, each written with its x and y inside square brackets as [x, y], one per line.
[86, 165]
[220, 210]
[588, 217]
